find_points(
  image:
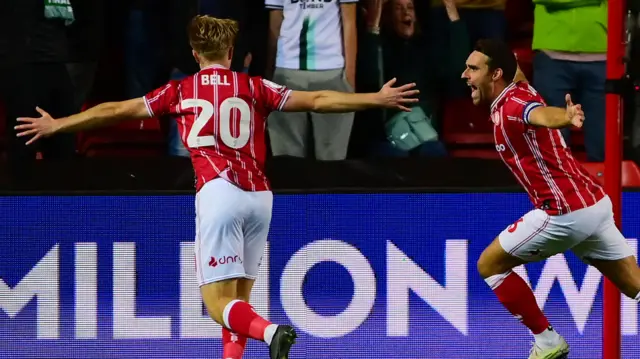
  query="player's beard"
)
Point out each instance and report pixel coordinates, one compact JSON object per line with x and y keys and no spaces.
{"x":481,"y":95}
{"x":476,"y":95}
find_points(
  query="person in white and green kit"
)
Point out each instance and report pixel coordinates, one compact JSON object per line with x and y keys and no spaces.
{"x":312,"y":46}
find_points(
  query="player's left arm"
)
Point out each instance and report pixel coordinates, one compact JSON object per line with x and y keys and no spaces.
{"x":349,"y":39}
{"x":537,"y":114}
{"x":99,"y":116}
{"x":337,"y":102}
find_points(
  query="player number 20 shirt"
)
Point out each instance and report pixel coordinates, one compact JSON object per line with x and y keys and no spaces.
{"x":221,"y":118}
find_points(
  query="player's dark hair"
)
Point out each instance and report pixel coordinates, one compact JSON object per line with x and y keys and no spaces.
{"x":500,"y":57}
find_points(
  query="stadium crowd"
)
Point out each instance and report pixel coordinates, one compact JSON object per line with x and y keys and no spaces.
{"x":65,"y":55}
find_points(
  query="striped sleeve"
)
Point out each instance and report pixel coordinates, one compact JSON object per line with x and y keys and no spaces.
{"x":270,"y":95}
{"x":274,"y":4}
{"x":162,"y":100}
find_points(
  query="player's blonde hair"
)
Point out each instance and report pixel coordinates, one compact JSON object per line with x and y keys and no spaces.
{"x":211,"y":37}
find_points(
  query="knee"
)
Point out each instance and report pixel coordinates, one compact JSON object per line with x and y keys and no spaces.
{"x":630,"y":288}
{"x":485,"y":266}
{"x":632,"y":292}
{"x":216,"y":308}
{"x":489,"y":264}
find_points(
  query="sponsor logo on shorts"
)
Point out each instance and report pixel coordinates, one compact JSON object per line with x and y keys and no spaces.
{"x":213,"y":262}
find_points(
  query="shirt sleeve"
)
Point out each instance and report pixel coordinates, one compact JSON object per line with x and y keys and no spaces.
{"x":527,"y":110}
{"x":270,"y":95}
{"x":274,"y":4}
{"x":519,"y":107}
{"x":163,"y":100}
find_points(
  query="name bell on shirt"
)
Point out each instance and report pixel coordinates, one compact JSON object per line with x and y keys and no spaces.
{"x":214,"y":79}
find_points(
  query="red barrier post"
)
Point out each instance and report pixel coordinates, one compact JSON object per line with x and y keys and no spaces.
{"x":611,"y":329}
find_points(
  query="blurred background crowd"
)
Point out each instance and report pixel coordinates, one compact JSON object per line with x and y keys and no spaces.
{"x":66,"y":55}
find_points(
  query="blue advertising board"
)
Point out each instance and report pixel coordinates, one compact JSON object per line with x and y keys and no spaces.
{"x":359,"y":275}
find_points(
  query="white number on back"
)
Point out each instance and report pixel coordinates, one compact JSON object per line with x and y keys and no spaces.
{"x":226,"y":108}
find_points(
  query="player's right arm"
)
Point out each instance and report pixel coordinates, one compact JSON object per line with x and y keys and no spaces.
{"x":554,"y":117}
{"x":332,"y":101}
{"x":156,"y":103}
{"x":105,"y":114}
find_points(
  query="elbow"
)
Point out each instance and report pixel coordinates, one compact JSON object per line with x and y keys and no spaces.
{"x":272,"y":39}
{"x":317,"y":104}
{"x":114,"y":110}
{"x":350,"y":28}
{"x":317,"y":107}
{"x":118,"y":111}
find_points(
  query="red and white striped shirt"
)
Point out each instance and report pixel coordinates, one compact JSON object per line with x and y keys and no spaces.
{"x":538,"y":156}
{"x":221,"y":118}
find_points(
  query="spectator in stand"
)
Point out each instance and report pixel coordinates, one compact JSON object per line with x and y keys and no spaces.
{"x":485,"y":19}
{"x":519,"y":15}
{"x":570,"y":38}
{"x":312,"y":46}
{"x":86,"y":41}
{"x":142,"y":55}
{"x":394,"y":46}
{"x":33,"y":54}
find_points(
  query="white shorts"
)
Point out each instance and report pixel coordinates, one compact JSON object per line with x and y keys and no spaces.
{"x":232,"y":226}
{"x":590,"y":233}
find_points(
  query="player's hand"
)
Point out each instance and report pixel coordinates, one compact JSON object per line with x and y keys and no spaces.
{"x":44,"y":126}
{"x":397,"y":97}
{"x":575,"y":115}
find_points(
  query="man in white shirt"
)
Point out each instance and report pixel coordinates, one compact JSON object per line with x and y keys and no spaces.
{"x":312,"y":46}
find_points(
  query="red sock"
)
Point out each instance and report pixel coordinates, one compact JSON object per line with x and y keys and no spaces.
{"x":517,"y":297}
{"x":233,"y":344}
{"x":240,"y":317}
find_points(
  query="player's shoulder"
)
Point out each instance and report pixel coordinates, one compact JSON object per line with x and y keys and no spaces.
{"x":267,"y":86}
{"x":520,"y":94}
{"x":170,"y":88}
{"x":271,"y":85}
{"x":182,"y":82}
{"x":523,"y":91}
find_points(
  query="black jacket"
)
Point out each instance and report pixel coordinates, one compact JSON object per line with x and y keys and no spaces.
{"x":26,"y":36}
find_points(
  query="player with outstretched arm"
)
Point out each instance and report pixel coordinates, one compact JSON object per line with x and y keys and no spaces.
{"x":572,"y":212}
{"x":221,"y":117}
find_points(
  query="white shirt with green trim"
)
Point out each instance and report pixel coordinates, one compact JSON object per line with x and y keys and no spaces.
{"x":311,"y":34}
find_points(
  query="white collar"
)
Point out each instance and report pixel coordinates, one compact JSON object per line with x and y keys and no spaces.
{"x":214,"y":66}
{"x":501,"y":95}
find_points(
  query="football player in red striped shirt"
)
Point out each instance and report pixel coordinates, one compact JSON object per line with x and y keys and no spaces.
{"x":572,"y":212}
{"x":222,"y":118}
